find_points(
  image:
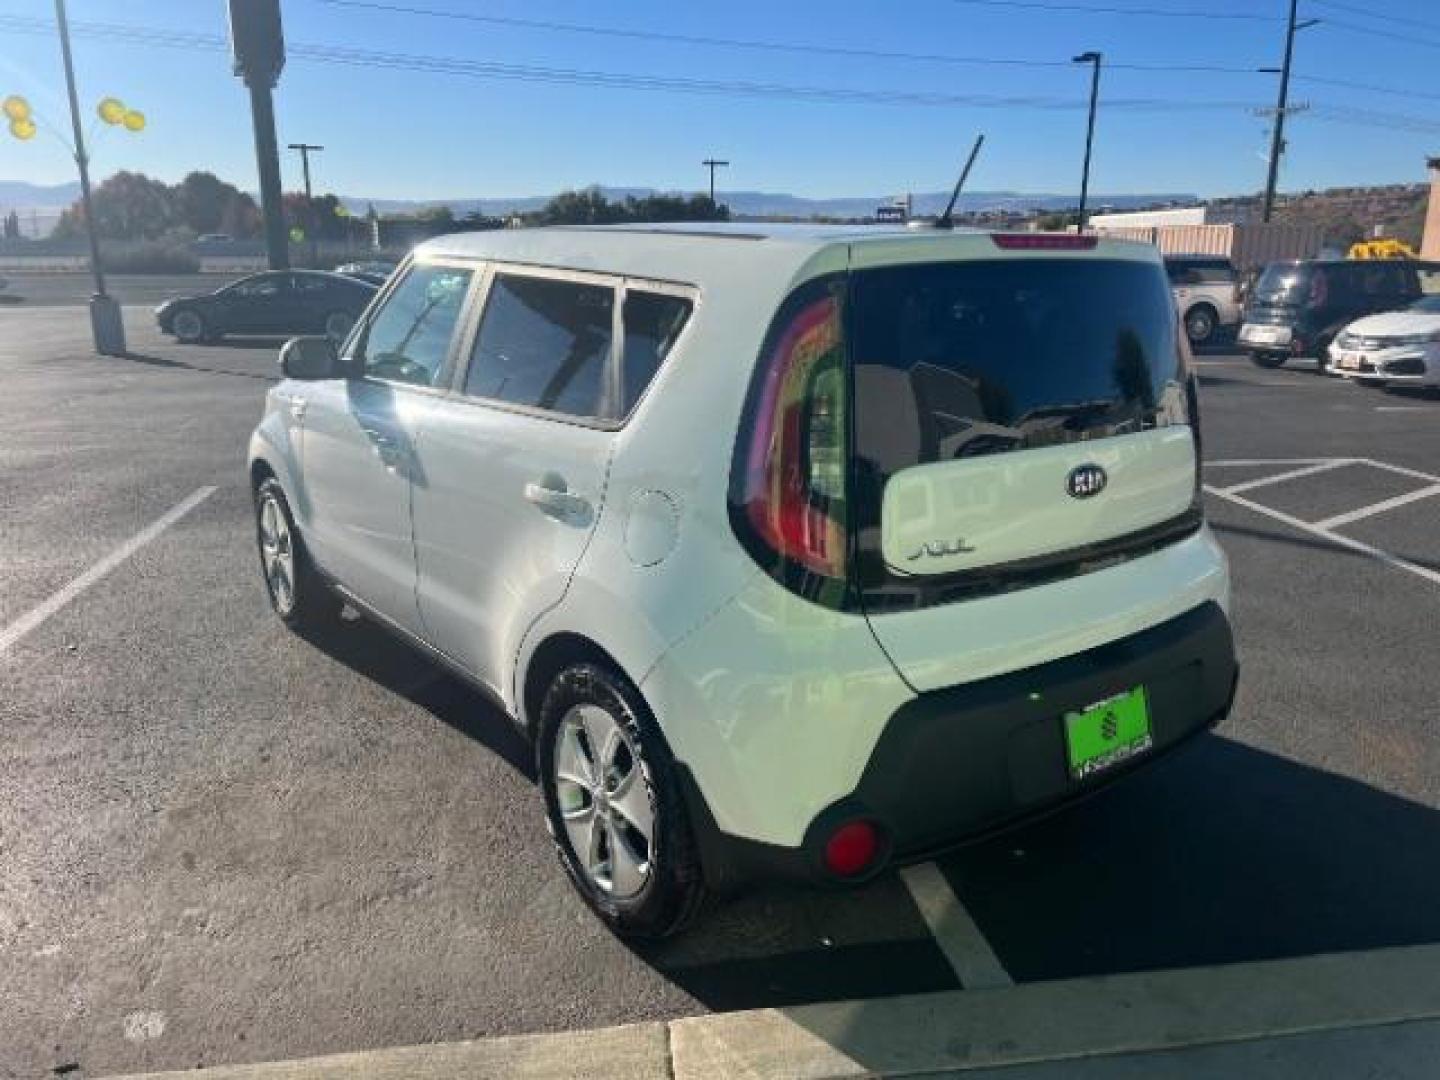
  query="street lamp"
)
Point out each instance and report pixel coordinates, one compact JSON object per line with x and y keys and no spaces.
{"x":1094,"y":58}
{"x":105,"y":322}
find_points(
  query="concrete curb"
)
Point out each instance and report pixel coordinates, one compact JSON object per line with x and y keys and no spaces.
{"x":937,"y":1033}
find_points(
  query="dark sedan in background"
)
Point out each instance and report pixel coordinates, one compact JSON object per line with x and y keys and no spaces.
{"x":278,"y":302}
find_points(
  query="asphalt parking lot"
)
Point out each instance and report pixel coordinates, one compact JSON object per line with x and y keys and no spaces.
{"x":222,"y":843}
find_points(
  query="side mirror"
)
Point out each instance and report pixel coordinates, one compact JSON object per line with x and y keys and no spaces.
{"x":310,"y":358}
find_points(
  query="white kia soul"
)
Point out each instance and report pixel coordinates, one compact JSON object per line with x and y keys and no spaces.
{"x":796,"y":551}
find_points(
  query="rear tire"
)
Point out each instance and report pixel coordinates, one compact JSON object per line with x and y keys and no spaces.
{"x":297,"y":592}
{"x":614,"y":805}
{"x":1267,"y":360}
{"x":1322,"y":357}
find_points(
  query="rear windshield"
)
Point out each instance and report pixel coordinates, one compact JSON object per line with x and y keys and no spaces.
{"x":958,"y":359}
{"x":1283,"y":283}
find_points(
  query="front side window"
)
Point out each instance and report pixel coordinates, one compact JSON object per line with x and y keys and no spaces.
{"x":545,"y":344}
{"x":408,"y":339}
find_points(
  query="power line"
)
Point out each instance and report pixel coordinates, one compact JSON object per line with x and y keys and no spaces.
{"x":1370,"y":13}
{"x":802,"y":47}
{"x":620,"y":80}
{"x":163,"y":38}
{"x":1347,"y":84}
{"x":1388,"y":35}
{"x":1107,"y":9}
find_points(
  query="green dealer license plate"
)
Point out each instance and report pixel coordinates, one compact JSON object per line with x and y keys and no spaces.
{"x":1107,"y":733}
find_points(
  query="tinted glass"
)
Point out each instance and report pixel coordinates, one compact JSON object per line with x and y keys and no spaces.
{"x":960,"y":359}
{"x":1200,"y":272}
{"x":653,"y":322}
{"x":1428,"y":303}
{"x":545,"y":344}
{"x":1283,"y":283}
{"x":261,"y":285}
{"x":311,"y":284}
{"x":408,"y":339}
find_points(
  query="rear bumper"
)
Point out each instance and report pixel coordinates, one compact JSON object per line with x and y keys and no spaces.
{"x":957,"y":764}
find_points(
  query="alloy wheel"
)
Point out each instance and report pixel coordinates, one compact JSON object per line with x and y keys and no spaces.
{"x":605,"y":800}
{"x":277,"y":555}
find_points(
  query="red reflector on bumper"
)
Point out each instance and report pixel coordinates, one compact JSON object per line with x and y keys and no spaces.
{"x":852,"y":848}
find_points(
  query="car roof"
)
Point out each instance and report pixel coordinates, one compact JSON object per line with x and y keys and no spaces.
{"x":701,"y":252}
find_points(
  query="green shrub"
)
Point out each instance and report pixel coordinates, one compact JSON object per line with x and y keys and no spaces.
{"x":149,"y":257}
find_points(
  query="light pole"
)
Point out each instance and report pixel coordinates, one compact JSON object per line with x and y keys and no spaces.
{"x":1277,"y":140}
{"x":306,"y":149}
{"x":1094,"y":58}
{"x":712,"y":164}
{"x":105,"y":324}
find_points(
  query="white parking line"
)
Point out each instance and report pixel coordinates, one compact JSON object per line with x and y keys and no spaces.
{"x":1378,"y":508}
{"x":1246,"y":463}
{"x":970,"y":955}
{"x":57,"y":600}
{"x":1325,"y":534}
{"x":1293,"y":474}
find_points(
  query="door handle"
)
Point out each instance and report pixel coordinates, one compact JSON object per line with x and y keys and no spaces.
{"x":389,"y":449}
{"x":551,"y":495}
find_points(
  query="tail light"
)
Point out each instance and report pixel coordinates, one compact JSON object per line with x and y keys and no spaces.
{"x":787,"y":492}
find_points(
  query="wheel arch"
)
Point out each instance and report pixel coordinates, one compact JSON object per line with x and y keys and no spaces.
{"x":551,"y":656}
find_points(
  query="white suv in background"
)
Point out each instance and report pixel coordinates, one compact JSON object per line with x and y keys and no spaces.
{"x":796,"y":551}
{"x":1206,"y":290}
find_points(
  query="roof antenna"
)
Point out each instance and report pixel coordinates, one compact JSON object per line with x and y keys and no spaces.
{"x":944,"y":220}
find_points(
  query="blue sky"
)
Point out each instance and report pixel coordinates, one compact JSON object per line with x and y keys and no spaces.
{"x":414,"y":134}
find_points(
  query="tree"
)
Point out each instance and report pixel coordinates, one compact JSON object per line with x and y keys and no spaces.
{"x":591,"y":207}
{"x":128,"y":206}
{"x":12,"y":226}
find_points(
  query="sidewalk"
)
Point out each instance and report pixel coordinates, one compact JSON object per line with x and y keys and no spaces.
{"x":1376,"y":1013}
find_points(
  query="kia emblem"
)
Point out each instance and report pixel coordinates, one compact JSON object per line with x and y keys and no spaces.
{"x":1085,"y":481}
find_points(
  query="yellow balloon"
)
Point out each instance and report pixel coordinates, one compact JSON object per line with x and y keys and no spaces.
{"x":134,"y":120}
{"x":111,"y":110}
{"x":16,"y":108}
{"x":22,"y":129}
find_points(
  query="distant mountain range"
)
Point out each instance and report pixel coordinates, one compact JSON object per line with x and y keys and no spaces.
{"x":23,"y":196}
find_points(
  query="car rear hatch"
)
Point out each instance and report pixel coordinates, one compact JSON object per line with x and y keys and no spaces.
{"x":1021,"y":416}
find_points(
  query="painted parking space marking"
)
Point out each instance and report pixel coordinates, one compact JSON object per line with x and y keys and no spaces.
{"x":1292,"y":474}
{"x":42,"y":611}
{"x":1378,"y":508}
{"x":1325,"y":529}
{"x":964,"y":946}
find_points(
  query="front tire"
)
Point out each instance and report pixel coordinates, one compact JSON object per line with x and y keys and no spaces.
{"x":190,"y":327}
{"x":1200,"y":323}
{"x":1267,"y":360}
{"x":614,"y":805}
{"x":298,"y":595}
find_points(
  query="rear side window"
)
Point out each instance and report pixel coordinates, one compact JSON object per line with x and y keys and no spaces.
{"x":408,"y":338}
{"x":545,"y":344}
{"x":959,"y":359}
{"x":653,"y":322}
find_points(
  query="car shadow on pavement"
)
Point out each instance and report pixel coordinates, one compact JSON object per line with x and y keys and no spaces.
{"x":1223,"y":854}
{"x":378,"y":655}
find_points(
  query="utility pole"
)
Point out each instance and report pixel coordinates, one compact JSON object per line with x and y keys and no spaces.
{"x":1096,"y":59}
{"x":1277,"y":140}
{"x":105,"y":323}
{"x":258,"y":46}
{"x":712,"y":164}
{"x":306,"y":149}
